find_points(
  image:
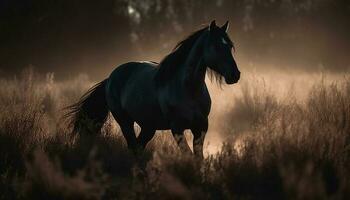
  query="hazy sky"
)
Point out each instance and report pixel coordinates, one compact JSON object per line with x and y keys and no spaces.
{"x":83,"y":36}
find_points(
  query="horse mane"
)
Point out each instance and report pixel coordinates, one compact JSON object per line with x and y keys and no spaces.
{"x":215,"y":76}
{"x":169,"y":64}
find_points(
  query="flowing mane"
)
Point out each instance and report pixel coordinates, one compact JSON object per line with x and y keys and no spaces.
{"x":177,"y":57}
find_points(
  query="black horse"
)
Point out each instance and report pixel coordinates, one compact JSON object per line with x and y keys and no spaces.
{"x":169,"y":95}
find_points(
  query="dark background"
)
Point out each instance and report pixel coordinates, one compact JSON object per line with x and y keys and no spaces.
{"x":84,"y":36}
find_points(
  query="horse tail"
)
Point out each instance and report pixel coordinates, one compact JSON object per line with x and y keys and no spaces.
{"x":88,"y":115}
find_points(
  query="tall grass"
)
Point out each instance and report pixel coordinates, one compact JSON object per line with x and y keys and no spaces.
{"x":281,"y":147}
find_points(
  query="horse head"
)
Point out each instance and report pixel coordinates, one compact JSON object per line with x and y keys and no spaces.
{"x":218,"y":53}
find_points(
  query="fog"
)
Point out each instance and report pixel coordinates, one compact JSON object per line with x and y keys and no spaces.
{"x":229,"y":117}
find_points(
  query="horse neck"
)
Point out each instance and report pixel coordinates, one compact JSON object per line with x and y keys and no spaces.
{"x":194,"y":67}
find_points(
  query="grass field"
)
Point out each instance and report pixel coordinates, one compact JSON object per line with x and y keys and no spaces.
{"x":286,"y":137}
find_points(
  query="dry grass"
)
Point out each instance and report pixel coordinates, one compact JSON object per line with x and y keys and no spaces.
{"x":284,"y":148}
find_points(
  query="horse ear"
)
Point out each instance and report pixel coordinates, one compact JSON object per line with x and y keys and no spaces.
{"x":212,"y":25}
{"x":225,"y":26}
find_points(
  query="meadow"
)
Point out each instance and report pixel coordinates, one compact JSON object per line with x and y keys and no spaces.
{"x":286,"y":136}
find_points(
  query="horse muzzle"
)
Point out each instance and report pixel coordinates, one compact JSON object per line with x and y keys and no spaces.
{"x":233,"y":79}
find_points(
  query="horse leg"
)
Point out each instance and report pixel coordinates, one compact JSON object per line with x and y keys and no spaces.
{"x":145,"y":136}
{"x":199,"y":133}
{"x":127,"y":127}
{"x":181,"y":140}
{"x":129,"y":135}
{"x":198,"y":141}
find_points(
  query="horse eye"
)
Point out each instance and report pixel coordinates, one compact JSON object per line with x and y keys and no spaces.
{"x":223,"y":41}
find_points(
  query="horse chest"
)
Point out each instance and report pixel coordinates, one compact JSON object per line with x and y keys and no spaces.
{"x":193,"y":110}
{"x":184,"y":108}
{"x":192,"y":113}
